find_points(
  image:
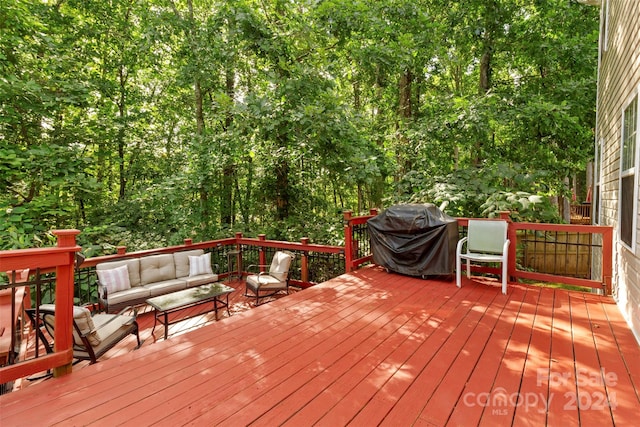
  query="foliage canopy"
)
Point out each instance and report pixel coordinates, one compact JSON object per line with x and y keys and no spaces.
{"x":144,"y":123}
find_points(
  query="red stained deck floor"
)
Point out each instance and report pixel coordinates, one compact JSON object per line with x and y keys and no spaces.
{"x":364,"y":349}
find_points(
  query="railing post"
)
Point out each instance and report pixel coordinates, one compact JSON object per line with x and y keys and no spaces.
{"x":348,"y":241}
{"x":262,"y":256}
{"x":188,"y":242}
{"x":607,"y":259}
{"x":64,"y":299}
{"x":304,"y":264}
{"x":239,"y":253}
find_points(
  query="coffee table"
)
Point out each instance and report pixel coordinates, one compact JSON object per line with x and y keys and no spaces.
{"x":179,"y":300}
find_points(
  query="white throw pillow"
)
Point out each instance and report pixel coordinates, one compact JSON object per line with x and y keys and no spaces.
{"x":115,"y":279}
{"x":200,"y":265}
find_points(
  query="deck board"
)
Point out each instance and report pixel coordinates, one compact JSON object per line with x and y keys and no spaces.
{"x":505,"y":391}
{"x":476,"y":395}
{"x":438,"y":409}
{"x":533,"y":412}
{"x":332,"y":386}
{"x":434,"y":358}
{"x":618,"y":363}
{"x":366,"y":348}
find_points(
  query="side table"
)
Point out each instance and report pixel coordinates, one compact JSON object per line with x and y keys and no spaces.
{"x":233,"y":258}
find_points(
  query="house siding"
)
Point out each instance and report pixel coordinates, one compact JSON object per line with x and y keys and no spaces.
{"x":618,"y":81}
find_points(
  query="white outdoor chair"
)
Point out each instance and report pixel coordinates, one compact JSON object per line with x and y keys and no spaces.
{"x":268,"y":283}
{"x":486,"y":241}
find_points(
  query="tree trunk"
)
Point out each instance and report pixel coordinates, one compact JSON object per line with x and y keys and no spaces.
{"x":485,"y":69}
{"x":229,"y":170}
{"x":122,"y":111}
{"x":403,"y":156}
{"x":282,"y":189}
{"x":197,"y":92}
{"x":246,"y":202}
{"x":406,"y":80}
{"x":356,"y":95}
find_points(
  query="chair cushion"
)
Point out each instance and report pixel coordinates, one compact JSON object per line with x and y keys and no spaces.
{"x":265,"y":281}
{"x":200,"y":265}
{"x":115,"y":279}
{"x":109,"y":333}
{"x":107,"y":324}
{"x":82,"y":317}
{"x":280,"y":265}
{"x":127,"y":297}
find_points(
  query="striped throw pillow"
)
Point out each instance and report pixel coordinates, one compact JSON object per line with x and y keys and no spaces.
{"x":200,"y":265}
{"x":115,"y":279}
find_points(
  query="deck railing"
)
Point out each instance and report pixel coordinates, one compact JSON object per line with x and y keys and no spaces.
{"x":61,"y":260}
{"x":313,"y":264}
{"x":53,"y":273}
{"x":356,"y":240}
{"x":569,"y":254}
{"x":581,"y":214}
{"x":532,"y":244}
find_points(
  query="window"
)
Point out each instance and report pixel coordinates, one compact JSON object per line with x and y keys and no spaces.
{"x":628,"y":174}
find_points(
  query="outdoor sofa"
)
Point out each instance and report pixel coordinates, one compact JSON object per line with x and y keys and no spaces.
{"x":132,"y":281}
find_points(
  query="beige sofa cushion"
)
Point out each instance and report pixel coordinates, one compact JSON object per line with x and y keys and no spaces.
{"x":133,"y":267}
{"x":139,"y":293}
{"x":157,"y":268}
{"x":166,"y":286}
{"x":202,"y":279}
{"x":181,"y":260}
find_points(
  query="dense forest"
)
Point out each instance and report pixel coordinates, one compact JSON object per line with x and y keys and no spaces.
{"x":146,"y":122}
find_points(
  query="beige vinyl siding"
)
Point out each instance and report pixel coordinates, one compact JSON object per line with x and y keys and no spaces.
{"x":618,"y":82}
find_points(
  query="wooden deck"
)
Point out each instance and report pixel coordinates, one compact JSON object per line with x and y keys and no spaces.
{"x":367,"y":348}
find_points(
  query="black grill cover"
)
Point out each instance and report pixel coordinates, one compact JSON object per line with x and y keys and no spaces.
{"x":414,"y":239}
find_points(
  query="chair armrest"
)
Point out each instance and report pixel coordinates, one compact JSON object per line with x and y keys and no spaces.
{"x":461,"y":242}
{"x":93,"y":307}
{"x":505,"y":247}
{"x":256,"y":266}
{"x":127,"y":308}
{"x":102,"y":290}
